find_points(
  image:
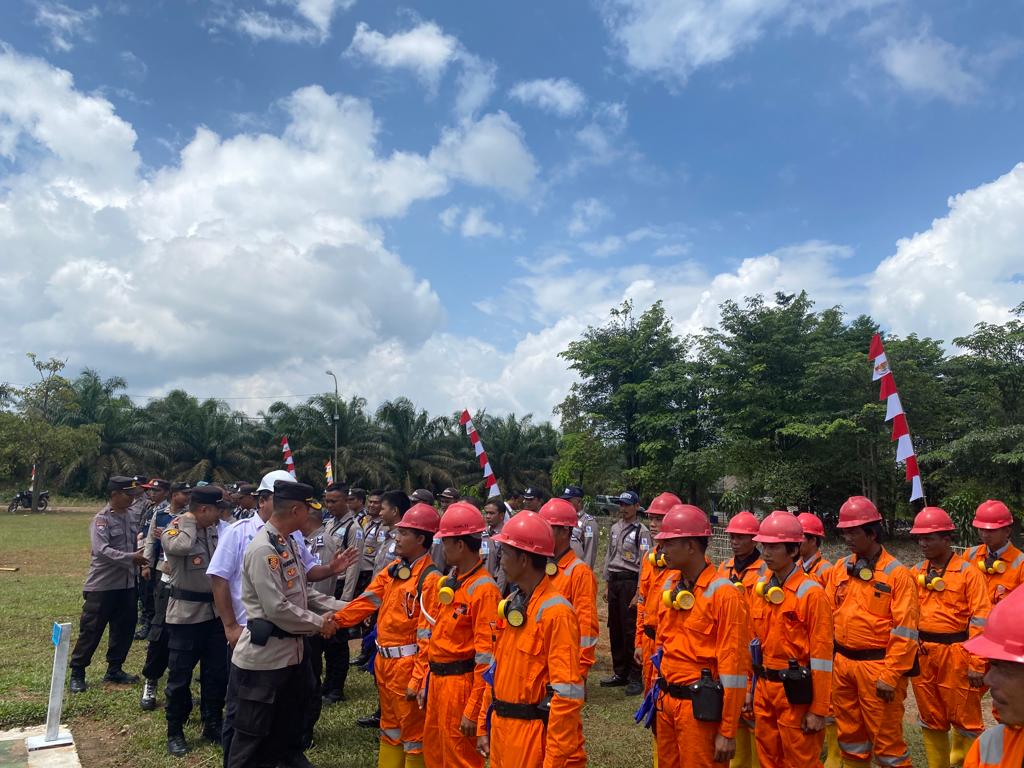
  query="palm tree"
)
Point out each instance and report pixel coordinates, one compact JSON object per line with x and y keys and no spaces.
{"x":521,"y":453}
{"x":415,"y":448}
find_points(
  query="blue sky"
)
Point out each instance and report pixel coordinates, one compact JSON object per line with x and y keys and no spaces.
{"x":433,"y":199}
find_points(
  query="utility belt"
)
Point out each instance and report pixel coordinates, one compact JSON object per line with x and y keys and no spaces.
{"x":649,"y":631}
{"x":450,"y":668}
{"x":796,"y":682}
{"x":943,"y":638}
{"x":191,"y":596}
{"x":514,"y":711}
{"x":397,"y":651}
{"x":860,"y":654}
{"x":261,"y":630}
{"x":706,"y":695}
{"x":623,"y":576}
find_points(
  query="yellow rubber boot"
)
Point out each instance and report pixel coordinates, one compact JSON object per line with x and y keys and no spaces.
{"x":745,"y":756}
{"x":414,"y":761}
{"x":960,"y":745}
{"x":833,"y":756}
{"x":390,"y":756}
{"x":936,"y":747}
{"x":854,"y":762}
{"x":655,"y":753}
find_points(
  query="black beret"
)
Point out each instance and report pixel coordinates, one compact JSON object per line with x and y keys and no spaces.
{"x":286,"y":490}
{"x":122,"y":483}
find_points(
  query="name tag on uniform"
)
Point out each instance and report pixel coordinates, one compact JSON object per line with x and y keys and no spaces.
{"x":381,"y":536}
{"x":588,"y":532}
{"x":485,"y":547}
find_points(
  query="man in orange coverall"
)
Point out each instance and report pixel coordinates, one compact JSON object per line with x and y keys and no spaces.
{"x":954,"y":606}
{"x":702,"y":638}
{"x":396,"y":594}
{"x":460,"y":643}
{"x":996,"y":557}
{"x":535,"y":701}
{"x":874,"y":598}
{"x":792,"y":619}
{"x":1002,"y":643}
{"x":573,"y":578}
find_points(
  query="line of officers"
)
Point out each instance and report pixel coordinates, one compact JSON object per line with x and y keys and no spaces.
{"x":762,"y":650}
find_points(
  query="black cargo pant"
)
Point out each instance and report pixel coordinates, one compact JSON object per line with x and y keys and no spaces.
{"x":113,"y":607}
{"x":156,"y":648}
{"x":337,"y":658}
{"x":270,"y":713}
{"x":191,"y":644}
{"x":147,"y":596}
{"x":622,"y":623}
{"x":314,"y":650}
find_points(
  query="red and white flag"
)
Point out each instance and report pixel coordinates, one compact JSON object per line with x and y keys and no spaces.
{"x":490,"y":481}
{"x":894,"y":413}
{"x":289,"y":462}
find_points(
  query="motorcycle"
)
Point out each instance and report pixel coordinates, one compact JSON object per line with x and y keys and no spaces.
{"x":24,"y":499}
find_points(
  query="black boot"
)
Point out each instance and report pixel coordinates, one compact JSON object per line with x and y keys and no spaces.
{"x":213,"y":730}
{"x":370,"y":721}
{"x":119,"y":676}
{"x":333,"y":697}
{"x":176,"y":744}
{"x":78,"y":684}
{"x":142,"y":633}
{"x":148,"y":700}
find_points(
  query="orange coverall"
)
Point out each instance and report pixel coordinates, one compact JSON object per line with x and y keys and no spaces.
{"x":799,"y":628}
{"x":402,"y":637}
{"x":648,"y":597}
{"x":1000,"y":584}
{"x":998,"y":747}
{"x":711,"y":635}
{"x":529,"y":660}
{"x":578,"y":585}
{"x":876,"y":617}
{"x":943,"y":694}
{"x":818,"y":568}
{"x":461,"y":633}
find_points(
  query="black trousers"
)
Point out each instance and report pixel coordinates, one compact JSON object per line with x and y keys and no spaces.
{"x":314,"y":650}
{"x":113,"y":607}
{"x":622,"y":625}
{"x":337,"y":658}
{"x":192,"y":644}
{"x":230,"y":707}
{"x":270,"y":714}
{"x":147,"y":596}
{"x":156,"y":649}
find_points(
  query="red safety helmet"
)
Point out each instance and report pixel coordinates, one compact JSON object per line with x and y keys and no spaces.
{"x":780,"y":527}
{"x":421,"y":517}
{"x":932,"y":520}
{"x":743,"y":522}
{"x":857,"y":510}
{"x":662,"y":503}
{"x":460,"y":519}
{"x":684,"y":521}
{"x":992,"y":514}
{"x":1002,"y":639}
{"x":529,"y":532}
{"x":559,"y":513}
{"x":811,"y":524}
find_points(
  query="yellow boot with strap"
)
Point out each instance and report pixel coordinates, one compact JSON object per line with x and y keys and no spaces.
{"x":390,"y":756}
{"x":833,"y":755}
{"x":936,"y":747}
{"x":960,"y":745}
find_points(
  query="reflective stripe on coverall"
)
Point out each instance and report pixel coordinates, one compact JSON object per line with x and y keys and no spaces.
{"x":878,"y":614}
{"x":799,"y":628}
{"x":528,"y":660}
{"x":944,"y":697}
{"x":998,"y":747}
{"x":711,"y":635}
{"x":818,"y":568}
{"x":400,"y":622}
{"x":1000,"y":584}
{"x":462,"y":630}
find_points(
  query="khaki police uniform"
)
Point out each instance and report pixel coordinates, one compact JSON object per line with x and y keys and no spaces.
{"x":157,"y":652}
{"x":628,"y":544}
{"x":585,"y":537}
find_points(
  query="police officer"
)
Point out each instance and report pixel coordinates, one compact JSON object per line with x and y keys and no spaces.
{"x":345,"y":529}
{"x":246,"y":504}
{"x":373,"y":536}
{"x":157,"y":501}
{"x":357,"y":505}
{"x":586,"y":533}
{"x":109,"y":589}
{"x":448,"y":497}
{"x":532,"y":499}
{"x":272,"y":676}
{"x":628,"y":543}
{"x":490,"y":550}
{"x":195,"y":633}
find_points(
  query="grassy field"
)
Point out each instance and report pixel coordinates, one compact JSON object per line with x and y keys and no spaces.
{"x":52,"y":553}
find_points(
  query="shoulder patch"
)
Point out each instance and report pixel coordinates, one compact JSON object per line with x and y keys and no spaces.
{"x":291,"y":572}
{"x":172,"y":531}
{"x":197,"y":560}
{"x":274,"y":562}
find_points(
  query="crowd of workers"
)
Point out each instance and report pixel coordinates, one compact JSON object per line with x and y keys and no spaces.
{"x":480,"y":624}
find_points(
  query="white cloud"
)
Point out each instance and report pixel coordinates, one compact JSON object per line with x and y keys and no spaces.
{"x":488,"y":152}
{"x":605,"y":247}
{"x":425,"y":50}
{"x":449,"y":217}
{"x":64,"y":23}
{"x":587,"y":214}
{"x":930,"y":67}
{"x":561,"y":96}
{"x":476,"y":224}
{"x":669,"y":251}
{"x":310,"y":21}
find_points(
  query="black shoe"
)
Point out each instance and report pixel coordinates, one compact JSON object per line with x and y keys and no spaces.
{"x":119,"y":677}
{"x":614,"y":682}
{"x":213,"y":731}
{"x":362,"y":660}
{"x":148,"y":700}
{"x":177,"y":746}
{"x":78,"y":684}
{"x":142,"y":632}
{"x":370,"y":721}
{"x":333,"y":697}
{"x":634,"y":688}
{"x":296,"y":761}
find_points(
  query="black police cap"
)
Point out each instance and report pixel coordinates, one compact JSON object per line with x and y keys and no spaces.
{"x":208,"y":494}
{"x":122,"y":483}
{"x":286,"y":490}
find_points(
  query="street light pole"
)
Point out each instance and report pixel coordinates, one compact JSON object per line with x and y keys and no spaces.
{"x":336,"y":471}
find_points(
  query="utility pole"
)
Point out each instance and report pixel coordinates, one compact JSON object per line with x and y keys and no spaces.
{"x":337,"y":472}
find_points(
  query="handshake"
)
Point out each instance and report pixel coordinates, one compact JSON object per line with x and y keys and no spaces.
{"x":328,"y":628}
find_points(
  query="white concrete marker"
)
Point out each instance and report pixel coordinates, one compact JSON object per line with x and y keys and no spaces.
{"x":54,"y":736}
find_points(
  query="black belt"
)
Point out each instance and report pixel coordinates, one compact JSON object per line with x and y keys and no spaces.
{"x":519,"y":711}
{"x":649,"y":631}
{"x":449,"y":668}
{"x":861,"y":654}
{"x":192,"y":597}
{"x":623,"y":576}
{"x":675,"y":690}
{"x":944,"y":638}
{"x":769,"y":674}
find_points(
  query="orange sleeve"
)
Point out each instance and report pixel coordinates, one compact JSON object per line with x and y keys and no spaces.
{"x":819,"y":621}
{"x":830,"y":581}
{"x":733,"y":629}
{"x":976,"y":592}
{"x":646,"y":569}
{"x":484,"y":605}
{"x":365,"y":604}
{"x":902,"y":648}
{"x":423,"y":629}
{"x":585,"y":603}
{"x":564,"y":744}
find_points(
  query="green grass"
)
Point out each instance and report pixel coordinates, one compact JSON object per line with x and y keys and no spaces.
{"x":52,"y":553}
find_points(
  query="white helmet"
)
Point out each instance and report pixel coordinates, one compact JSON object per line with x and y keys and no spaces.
{"x":267,"y":483}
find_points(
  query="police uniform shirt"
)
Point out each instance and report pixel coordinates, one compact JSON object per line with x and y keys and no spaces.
{"x":113,"y":537}
{"x":274,"y":588}
{"x":322,"y":546}
{"x":227,"y":559}
{"x":189,"y":550}
{"x":385,"y":549}
{"x":349,"y":533}
{"x":152,"y":550}
{"x":628,"y":543}
{"x":138,"y":511}
{"x":584,"y":540}
{"x":371,"y":542}
{"x":151,"y":513}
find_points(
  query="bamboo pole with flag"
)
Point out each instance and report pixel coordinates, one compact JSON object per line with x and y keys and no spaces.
{"x":286,"y":451}
{"x":882,"y":372}
{"x":490,"y":481}
{"x":329,"y":472}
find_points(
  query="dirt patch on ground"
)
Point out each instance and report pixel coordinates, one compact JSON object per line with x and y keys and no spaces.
{"x":100,"y":744}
